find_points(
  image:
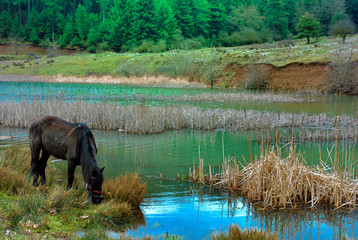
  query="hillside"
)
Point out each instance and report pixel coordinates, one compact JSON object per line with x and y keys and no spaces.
{"x":285,"y":65}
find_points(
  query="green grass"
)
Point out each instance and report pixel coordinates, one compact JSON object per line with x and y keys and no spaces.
{"x":198,"y":60}
{"x":32,"y":213}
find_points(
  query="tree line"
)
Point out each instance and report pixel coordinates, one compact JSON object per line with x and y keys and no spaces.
{"x":159,"y":25}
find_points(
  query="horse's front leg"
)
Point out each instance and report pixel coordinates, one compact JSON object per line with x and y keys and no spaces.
{"x":71,"y":173}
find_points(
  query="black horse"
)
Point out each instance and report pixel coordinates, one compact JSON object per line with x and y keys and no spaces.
{"x":64,"y":140}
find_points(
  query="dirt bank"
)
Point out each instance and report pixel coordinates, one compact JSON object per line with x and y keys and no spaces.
{"x":294,"y":76}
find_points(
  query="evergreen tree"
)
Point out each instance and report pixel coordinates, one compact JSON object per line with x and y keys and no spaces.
{"x":183,"y":12}
{"x":146,"y":21}
{"x":5,"y":24}
{"x":81,"y":21}
{"x":167,"y":24}
{"x":217,"y":16}
{"x":352,"y":10}
{"x":308,"y":26}
{"x":276,"y":19}
{"x":34,"y":38}
{"x":68,"y":33}
{"x":201,"y":17}
{"x":290,"y":10}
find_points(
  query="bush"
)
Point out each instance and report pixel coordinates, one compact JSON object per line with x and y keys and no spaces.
{"x":256,"y":78}
{"x":343,"y":73}
{"x":145,"y":47}
{"x":92,"y":49}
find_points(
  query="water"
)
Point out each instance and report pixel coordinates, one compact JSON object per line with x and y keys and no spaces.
{"x":312,"y":103}
{"x":171,"y":207}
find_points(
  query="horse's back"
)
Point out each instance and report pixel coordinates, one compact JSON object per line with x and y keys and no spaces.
{"x":52,"y":134}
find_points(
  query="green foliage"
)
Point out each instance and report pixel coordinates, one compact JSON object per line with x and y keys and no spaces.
{"x":308,"y":27}
{"x":34,"y":38}
{"x":68,"y":33}
{"x":122,"y":25}
{"x":5,"y":24}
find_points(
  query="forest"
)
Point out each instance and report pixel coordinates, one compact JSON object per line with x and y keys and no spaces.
{"x":159,"y":25}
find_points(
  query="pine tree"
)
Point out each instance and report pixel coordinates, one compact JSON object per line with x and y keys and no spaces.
{"x":34,"y":38}
{"x":276,"y":19}
{"x":167,"y":24}
{"x":145,"y":27}
{"x":68,"y":33}
{"x":201,"y":17}
{"x":183,"y":12}
{"x":5,"y":24}
{"x":352,"y":10}
{"x":81,"y":21}
{"x":217,"y":15}
{"x":308,"y":26}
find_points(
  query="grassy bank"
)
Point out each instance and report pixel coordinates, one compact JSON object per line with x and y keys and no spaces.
{"x":209,"y":66}
{"x":53,"y":212}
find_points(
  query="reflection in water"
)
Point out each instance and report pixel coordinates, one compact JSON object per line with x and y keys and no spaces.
{"x":169,"y":205}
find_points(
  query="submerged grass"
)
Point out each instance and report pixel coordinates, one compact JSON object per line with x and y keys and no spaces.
{"x":28,"y":212}
{"x":273,"y":181}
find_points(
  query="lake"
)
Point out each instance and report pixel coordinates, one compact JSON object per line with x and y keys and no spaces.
{"x":170,"y":206}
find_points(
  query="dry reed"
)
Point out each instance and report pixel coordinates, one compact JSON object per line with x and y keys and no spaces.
{"x":235,"y":232}
{"x":127,"y":188}
{"x":273,"y":181}
{"x":142,"y":119}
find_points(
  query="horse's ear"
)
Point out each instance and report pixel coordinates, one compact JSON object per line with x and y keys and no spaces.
{"x":102,"y":169}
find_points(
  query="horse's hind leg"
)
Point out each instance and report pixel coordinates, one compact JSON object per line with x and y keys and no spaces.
{"x":35,"y":154}
{"x":42,"y":165}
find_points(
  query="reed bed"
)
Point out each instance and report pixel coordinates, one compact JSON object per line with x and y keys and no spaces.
{"x":143,"y":119}
{"x":276,"y":182}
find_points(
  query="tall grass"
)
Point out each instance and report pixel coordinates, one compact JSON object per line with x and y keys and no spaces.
{"x":275,"y":182}
{"x":235,"y":232}
{"x":36,"y":208}
{"x":142,"y":119}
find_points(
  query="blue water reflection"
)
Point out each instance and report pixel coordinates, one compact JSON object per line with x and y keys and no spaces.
{"x":171,"y":207}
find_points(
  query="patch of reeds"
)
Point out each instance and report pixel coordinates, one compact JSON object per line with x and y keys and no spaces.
{"x":128,"y":188}
{"x":143,"y":119}
{"x":275,"y":182}
{"x":235,"y":232}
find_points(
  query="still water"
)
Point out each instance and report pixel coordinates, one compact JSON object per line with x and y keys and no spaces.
{"x":311,"y":103}
{"x":171,"y":207}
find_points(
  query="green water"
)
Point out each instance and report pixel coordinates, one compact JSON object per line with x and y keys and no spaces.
{"x":169,"y":204}
{"x":312,"y":103}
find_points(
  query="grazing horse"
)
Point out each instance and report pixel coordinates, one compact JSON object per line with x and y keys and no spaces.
{"x":64,"y":140}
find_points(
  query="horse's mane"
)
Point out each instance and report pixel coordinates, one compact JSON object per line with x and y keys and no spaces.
{"x":87,"y":150}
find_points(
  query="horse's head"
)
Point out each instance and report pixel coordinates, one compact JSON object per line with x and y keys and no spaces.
{"x":94,"y":188}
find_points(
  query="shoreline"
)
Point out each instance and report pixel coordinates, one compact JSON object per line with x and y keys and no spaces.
{"x":155,"y":81}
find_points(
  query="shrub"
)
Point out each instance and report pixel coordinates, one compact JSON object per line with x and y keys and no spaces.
{"x":92,"y":49}
{"x":145,"y":47}
{"x":343,"y":73}
{"x":257,"y":77}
